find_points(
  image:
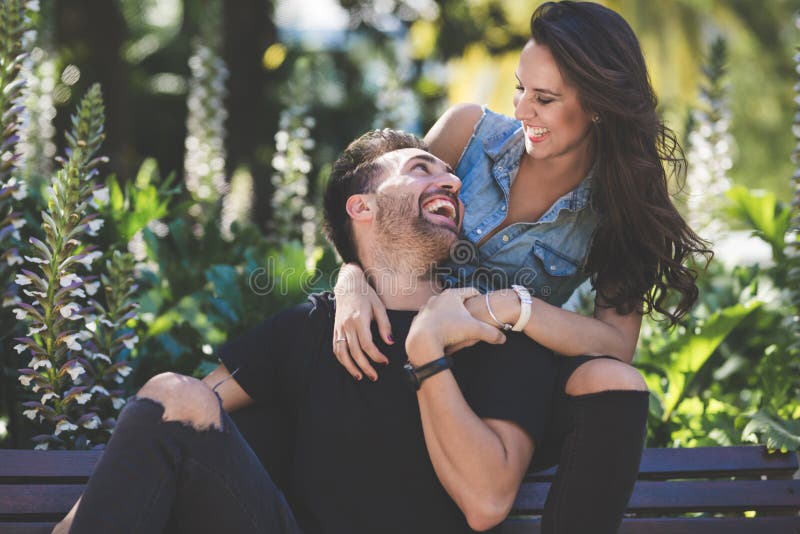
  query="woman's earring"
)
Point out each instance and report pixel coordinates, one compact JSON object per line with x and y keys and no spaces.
{"x":596,"y":118}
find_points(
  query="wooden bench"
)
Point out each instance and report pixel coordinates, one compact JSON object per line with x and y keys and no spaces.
{"x":719,"y":484}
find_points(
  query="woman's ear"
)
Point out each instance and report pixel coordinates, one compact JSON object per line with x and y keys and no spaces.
{"x":360,"y":207}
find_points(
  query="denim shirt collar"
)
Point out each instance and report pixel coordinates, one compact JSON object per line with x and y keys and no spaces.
{"x":507,"y":146}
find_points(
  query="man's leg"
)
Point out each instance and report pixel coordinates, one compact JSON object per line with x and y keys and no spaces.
{"x":176,"y":459}
{"x":604,"y":416}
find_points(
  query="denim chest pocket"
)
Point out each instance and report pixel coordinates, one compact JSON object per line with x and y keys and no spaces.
{"x":554,"y":263}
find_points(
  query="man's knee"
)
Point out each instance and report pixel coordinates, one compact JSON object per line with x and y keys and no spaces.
{"x":603,"y":374}
{"x":185,"y":399}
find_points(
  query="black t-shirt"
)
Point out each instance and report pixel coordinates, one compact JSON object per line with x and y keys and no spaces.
{"x":350,"y":456}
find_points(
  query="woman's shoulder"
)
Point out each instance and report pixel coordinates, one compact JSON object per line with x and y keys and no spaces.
{"x":450,"y":135}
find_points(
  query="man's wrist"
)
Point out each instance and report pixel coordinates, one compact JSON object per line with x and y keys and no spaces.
{"x":421,"y":351}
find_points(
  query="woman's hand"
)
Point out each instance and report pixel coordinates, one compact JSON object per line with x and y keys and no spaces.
{"x":357,"y":305}
{"x":443,"y":325}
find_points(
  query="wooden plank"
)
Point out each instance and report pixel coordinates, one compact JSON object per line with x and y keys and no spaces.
{"x":45,"y":502}
{"x":27,"y":528}
{"x":27,"y":465}
{"x":680,"y":525}
{"x":688,"y":496}
{"x":707,"y":462}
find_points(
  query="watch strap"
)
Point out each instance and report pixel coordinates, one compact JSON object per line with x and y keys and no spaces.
{"x":418,"y":374}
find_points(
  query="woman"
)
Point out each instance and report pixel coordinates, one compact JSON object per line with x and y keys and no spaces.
{"x":573,"y":187}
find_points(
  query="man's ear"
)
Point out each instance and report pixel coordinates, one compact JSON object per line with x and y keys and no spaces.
{"x":360,"y":207}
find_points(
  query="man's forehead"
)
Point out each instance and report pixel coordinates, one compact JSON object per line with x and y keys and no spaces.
{"x":400,"y":156}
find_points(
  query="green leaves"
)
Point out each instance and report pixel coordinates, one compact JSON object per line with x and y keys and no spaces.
{"x":760,"y":210}
{"x":687,"y":354}
{"x":780,"y":434}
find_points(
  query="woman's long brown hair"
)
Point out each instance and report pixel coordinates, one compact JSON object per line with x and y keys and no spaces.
{"x":641,"y":248}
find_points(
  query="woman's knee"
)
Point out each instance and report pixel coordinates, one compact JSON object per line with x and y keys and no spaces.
{"x":604,"y":374}
{"x":185,"y":399}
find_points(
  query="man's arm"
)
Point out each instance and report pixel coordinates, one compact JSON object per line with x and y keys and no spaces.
{"x":232,"y":395}
{"x":481,"y":463}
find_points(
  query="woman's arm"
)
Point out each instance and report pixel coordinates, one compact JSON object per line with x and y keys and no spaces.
{"x":565,"y":332}
{"x":449,"y":136}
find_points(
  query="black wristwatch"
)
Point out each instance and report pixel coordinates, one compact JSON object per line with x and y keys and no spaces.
{"x":416,"y":375}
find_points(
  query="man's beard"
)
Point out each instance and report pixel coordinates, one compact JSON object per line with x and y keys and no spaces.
{"x":406,"y":240}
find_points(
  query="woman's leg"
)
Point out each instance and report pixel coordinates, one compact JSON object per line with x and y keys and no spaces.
{"x":176,"y":461}
{"x":603,"y":410}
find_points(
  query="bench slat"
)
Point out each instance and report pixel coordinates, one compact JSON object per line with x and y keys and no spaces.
{"x":688,"y":496}
{"x":27,"y":528}
{"x":44,"y":502}
{"x":664,"y":525}
{"x":30,"y":464}
{"x":706,"y":462}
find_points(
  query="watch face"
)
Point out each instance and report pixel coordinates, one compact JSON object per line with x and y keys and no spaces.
{"x":411,"y":375}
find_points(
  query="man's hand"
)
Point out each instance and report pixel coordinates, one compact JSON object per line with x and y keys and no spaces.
{"x":443,"y":326}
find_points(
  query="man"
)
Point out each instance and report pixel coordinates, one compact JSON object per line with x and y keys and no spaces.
{"x":427,"y":448}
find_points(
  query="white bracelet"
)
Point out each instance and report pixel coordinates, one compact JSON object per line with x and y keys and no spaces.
{"x":525,"y":302}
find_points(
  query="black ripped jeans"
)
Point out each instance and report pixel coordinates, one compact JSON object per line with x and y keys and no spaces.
{"x":156,"y":476}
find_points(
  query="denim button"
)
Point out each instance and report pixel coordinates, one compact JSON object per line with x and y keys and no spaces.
{"x":478,"y":231}
{"x":505,"y":239}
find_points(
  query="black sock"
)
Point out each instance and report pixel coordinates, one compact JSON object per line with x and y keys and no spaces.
{"x":599,"y":463}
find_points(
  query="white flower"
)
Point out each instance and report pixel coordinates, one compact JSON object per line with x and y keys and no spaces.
{"x":94,"y":422}
{"x":64,"y":426}
{"x":100,"y":389}
{"x":10,"y":300}
{"x":34,"y":330}
{"x":77,"y":292}
{"x":108,"y":323}
{"x":25,"y":380}
{"x":47,"y":396}
{"x":76,"y":370}
{"x":87,"y":259}
{"x":41,"y":446}
{"x":18,"y":223}
{"x":125,"y":370}
{"x":20,"y":348}
{"x":101,"y":356}
{"x":34,"y":293}
{"x":44,"y":362}
{"x":69,"y":279}
{"x":83,"y":398}
{"x":31,"y":414}
{"x":100,"y":196}
{"x":70,"y":342}
{"x":118,"y":402}
{"x":14,"y":259}
{"x":92,"y":287}
{"x":34,"y":259}
{"x":22,"y":280}
{"x":92,"y":327}
{"x":20,"y":314}
{"x":94,"y":226}
{"x":68,"y":310}
{"x":130,"y":342}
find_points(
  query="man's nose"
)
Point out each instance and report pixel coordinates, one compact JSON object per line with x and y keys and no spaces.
{"x":449,"y":181}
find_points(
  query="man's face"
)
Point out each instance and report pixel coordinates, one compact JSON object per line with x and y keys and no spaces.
{"x":417,"y":203}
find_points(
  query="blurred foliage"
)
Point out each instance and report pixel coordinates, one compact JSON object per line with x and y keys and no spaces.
{"x":293,"y":98}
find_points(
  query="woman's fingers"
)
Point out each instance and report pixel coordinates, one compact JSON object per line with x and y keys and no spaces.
{"x":382,"y":319}
{"x":354,"y":346}
{"x":343,"y":356}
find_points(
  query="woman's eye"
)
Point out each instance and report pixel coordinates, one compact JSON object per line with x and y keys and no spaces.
{"x":544,"y":100}
{"x":519,"y":88}
{"x":422,"y":166}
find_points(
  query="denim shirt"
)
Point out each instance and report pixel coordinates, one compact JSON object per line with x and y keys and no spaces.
{"x":547,"y":256}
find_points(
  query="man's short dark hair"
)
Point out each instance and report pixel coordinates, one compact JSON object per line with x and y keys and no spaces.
{"x":353,"y":173}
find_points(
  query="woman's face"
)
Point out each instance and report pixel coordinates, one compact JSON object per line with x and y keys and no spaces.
{"x":555,"y":123}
